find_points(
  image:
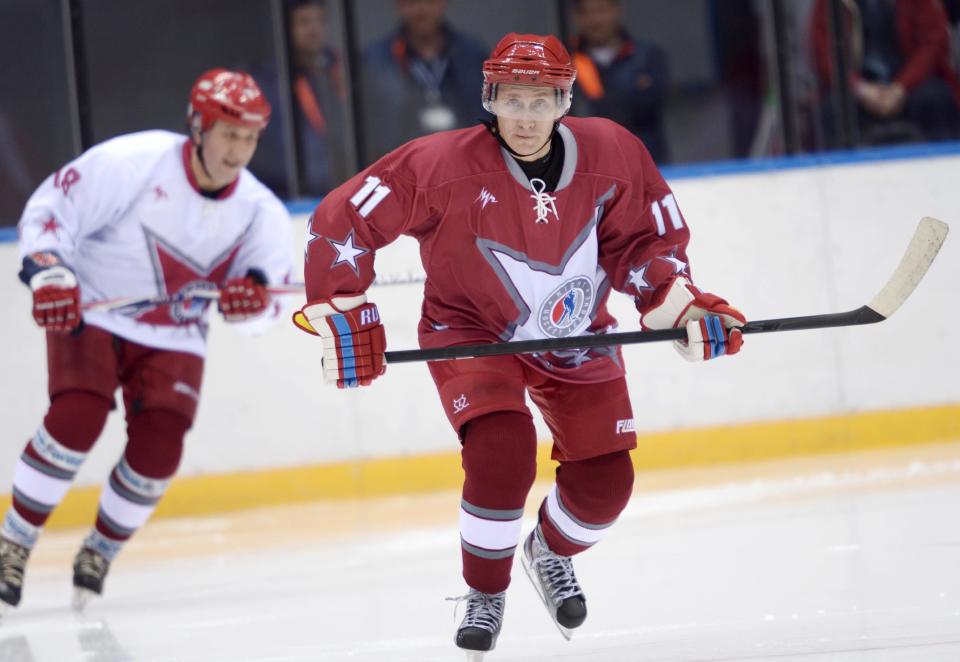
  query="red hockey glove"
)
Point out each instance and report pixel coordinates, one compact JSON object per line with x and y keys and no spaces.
{"x":712,"y":324}
{"x":353,"y":338}
{"x":56,"y":295}
{"x":243,"y":298}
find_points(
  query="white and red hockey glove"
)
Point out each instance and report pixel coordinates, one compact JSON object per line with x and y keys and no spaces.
{"x":56,"y":294}
{"x":353,"y":338}
{"x":243,"y":298}
{"x":712,"y":324}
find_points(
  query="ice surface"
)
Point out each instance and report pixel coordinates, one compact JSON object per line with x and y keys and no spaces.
{"x":814,"y":564}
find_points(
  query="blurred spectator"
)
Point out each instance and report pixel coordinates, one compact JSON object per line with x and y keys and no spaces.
{"x":899,"y":69}
{"x":317,"y":95}
{"x":619,"y":77}
{"x":422,"y":78}
{"x":742,"y":64}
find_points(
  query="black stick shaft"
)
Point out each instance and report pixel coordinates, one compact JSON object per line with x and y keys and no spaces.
{"x":862,"y":315}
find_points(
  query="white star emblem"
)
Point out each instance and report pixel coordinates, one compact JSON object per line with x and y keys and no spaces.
{"x":638,"y":278}
{"x":311,"y":237}
{"x":347,"y":252}
{"x":679,"y":266}
{"x":531,"y":283}
{"x":575,"y":357}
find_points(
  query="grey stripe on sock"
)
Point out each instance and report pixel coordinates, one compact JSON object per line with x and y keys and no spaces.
{"x":120,"y":531}
{"x":489,"y":513}
{"x":492,"y":554}
{"x":586,"y":525}
{"x":136,"y":482}
{"x":46,"y":469}
{"x":35,"y":506}
{"x":124,"y":492}
{"x":568,"y":538}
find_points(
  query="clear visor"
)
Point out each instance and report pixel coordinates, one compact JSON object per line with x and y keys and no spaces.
{"x":518,"y":102}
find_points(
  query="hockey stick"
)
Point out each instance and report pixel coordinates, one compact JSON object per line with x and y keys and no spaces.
{"x":918,"y":257}
{"x":105,"y":305}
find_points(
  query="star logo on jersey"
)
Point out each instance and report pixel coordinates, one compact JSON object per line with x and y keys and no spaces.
{"x":485,"y":198}
{"x":679,"y":266}
{"x":574,"y":358}
{"x":554,"y":300}
{"x":311,"y":237}
{"x":178,"y":274}
{"x":638,"y":278}
{"x":347,"y":252}
{"x":159,"y":194}
{"x":50,"y":225}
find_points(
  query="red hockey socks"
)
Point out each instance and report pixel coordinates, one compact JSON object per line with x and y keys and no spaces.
{"x":499,"y":459}
{"x":139,"y":480}
{"x":585,"y":501}
{"x":51,"y":460}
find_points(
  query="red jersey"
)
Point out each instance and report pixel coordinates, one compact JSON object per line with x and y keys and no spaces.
{"x":503,"y":260}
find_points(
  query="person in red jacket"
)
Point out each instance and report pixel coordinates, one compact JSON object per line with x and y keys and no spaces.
{"x":525,"y":225}
{"x":898,"y":60}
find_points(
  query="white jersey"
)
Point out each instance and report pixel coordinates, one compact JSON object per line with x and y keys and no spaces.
{"x":129,"y":219}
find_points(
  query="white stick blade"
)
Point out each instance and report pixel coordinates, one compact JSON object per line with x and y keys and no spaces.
{"x":923,"y":248}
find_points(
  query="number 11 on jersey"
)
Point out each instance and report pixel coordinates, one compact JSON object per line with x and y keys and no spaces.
{"x":673,"y":211}
{"x":369,"y":196}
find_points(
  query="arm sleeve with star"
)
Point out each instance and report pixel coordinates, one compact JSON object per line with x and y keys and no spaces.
{"x":643,"y":235}
{"x":366,"y":213}
{"x":76,"y":201}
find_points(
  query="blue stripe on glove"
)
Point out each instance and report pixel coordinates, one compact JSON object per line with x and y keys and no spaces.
{"x":716,"y":336}
{"x":347,"y":357}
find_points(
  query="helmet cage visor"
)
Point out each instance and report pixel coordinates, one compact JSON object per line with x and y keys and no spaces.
{"x":527,"y":105}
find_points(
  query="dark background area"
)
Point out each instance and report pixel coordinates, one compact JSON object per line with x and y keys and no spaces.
{"x":77,"y":72}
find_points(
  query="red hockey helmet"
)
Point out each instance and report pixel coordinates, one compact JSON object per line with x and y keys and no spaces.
{"x":231,"y":96}
{"x":529,"y":59}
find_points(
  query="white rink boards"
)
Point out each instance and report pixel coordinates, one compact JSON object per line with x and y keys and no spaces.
{"x":781,"y":243}
{"x":839,"y":558}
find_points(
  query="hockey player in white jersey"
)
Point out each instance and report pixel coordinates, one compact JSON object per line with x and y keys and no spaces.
{"x":150,"y":213}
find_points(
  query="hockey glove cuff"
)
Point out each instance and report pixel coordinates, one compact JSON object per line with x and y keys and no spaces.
{"x":56,"y":294}
{"x":353,"y":338}
{"x":712,"y":324}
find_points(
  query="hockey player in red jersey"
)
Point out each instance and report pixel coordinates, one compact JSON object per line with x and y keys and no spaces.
{"x":525,"y":224}
{"x":149,"y":213}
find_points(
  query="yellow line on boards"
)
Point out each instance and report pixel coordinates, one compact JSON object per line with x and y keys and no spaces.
{"x":204,"y":495}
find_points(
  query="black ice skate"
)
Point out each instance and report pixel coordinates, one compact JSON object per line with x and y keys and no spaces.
{"x":13,"y":563}
{"x":480,"y":627}
{"x":553,"y":578}
{"x":89,"y":572}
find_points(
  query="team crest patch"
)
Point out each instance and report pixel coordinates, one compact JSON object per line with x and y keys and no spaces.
{"x":564,"y":311}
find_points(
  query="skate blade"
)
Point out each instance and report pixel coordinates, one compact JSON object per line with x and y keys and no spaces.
{"x":81,"y":597}
{"x":476,"y":656}
{"x":551,"y":610}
